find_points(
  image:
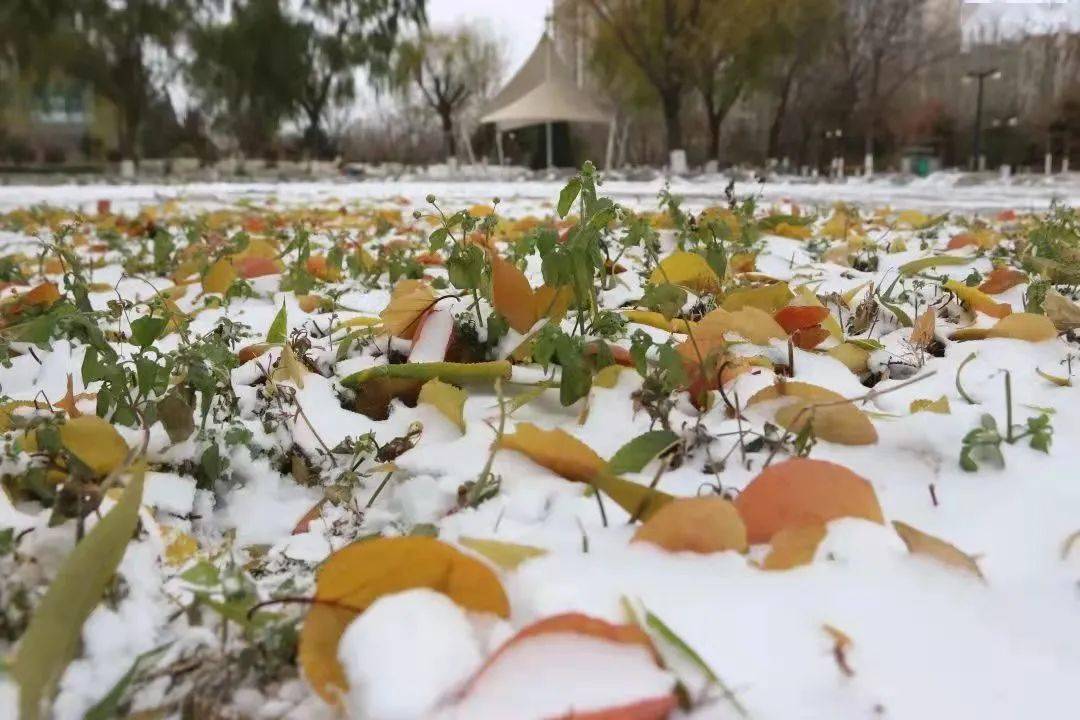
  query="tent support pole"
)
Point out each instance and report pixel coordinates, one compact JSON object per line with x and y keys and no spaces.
{"x":550,"y":149}
{"x":609,"y":155}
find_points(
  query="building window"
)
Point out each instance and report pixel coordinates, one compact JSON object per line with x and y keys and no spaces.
{"x":61,"y":102}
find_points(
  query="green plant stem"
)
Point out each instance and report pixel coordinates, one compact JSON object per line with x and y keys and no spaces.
{"x":445,"y":371}
{"x":1008,"y":409}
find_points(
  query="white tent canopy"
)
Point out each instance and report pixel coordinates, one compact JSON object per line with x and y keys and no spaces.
{"x":543,"y":91}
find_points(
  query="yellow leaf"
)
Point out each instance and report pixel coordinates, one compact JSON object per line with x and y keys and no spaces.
{"x":976,"y":299}
{"x":919,"y":543}
{"x":658,"y":321}
{"x":840,"y":225}
{"x":553,"y":302}
{"x":506,"y":555}
{"x":608,"y":377}
{"x":1018,"y":326}
{"x":794,"y":546}
{"x":755,"y":325}
{"x":939,"y":406}
{"x":793,"y":231}
{"x":447,"y":399}
{"x":912,"y":219}
{"x":687,"y":269}
{"x":1059,"y":381}
{"x":769,"y":298}
{"x":409,"y":300}
{"x":359,"y":574}
{"x":95,"y":442}
{"x":512,"y":295}
{"x":700,"y":524}
{"x":219,"y":276}
{"x":289,"y":367}
{"x":181,"y":548}
{"x":800,"y":492}
{"x":834,"y":418}
{"x":567,"y":456}
{"x":853,"y":356}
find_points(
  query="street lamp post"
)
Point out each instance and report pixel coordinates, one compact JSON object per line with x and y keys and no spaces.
{"x":980,"y":77}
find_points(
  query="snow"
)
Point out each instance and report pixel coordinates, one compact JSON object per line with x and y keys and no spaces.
{"x":926,"y":641}
{"x":407,"y":652}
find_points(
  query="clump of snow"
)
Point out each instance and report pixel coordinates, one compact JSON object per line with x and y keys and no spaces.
{"x":405,"y":654}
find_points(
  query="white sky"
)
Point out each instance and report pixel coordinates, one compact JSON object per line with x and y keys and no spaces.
{"x":517,"y":22}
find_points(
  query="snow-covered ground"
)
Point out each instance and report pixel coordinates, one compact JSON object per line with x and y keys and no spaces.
{"x":868,"y":629}
{"x":942,"y":191}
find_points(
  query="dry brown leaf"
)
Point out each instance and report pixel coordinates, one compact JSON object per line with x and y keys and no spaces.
{"x":69,"y":403}
{"x":1001,"y":279}
{"x":920,"y":543}
{"x":700,"y":524}
{"x":922,"y":334}
{"x":359,"y":574}
{"x":1063,"y":312}
{"x":409,"y":300}
{"x":794,"y":546}
{"x":512,"y":295}
{"x":834,"y":418}
{"x":841,"y":643}
{"x":800,"y":492}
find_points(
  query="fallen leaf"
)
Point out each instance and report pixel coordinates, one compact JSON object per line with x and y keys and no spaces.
{"x":506,"y":555}
{"x":95,"y":442}
{"x":795,"y":317}
{"x":567,"y":456}
{"x":1063,"y":312}
{"x":922,"y":333}
{"x":750,"y":322}
{"x":253,"y":267}
{"x":55,"y":630}
{"x":800,"y":492}
{"x":917,"y":266}
{"x":841,"y":643}
{"x":409,"y":300}
{"x":920,"y":543}
{"x":68,"y":403}
{"x":1059,"y":381}
{"x":809,"y":338}
{"x":939,"y":406}
{"x":834,"y":418}
{"x":977,"y":300}
{"x":447,"y":399}
{"x":1001,"y":279}
{"x":687,"y":269}
{"x":769,"y":298}
{"x":359,"y":574}
{"x":1018,"y":326}
{"x":855,"y":358}
{"x":219,"y":276}
{"x":536,"y":655}
{"x":512,"y":295}
{"x":289,"y":368}
{"x":794,"y":546}
{"x":699,"y":524}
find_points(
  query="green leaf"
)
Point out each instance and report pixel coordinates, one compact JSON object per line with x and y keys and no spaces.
{"x":53,"y":637}
{"x":202,"y":573}
{"x":917,"y":266}
{"x":279,"y":329}
{"x":639,"y":452}
{"x":438,"y":239}
{"x":177,"y":417}
{"x":109,"y":706}
{"x":146,"y":329}
{"x":568,"y":196}
{"x":902,"y":317}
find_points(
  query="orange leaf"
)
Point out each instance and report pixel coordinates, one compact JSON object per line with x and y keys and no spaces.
{"x":596,"y":644}
{"x":409,"y":300}
{"x":920,"y":543}
{"x":1001,"y":279}
{"x":800,"y":492}
{"x":553,"y":302}
{"x":800,"y":317}
{"x":809,"y":338}
{"x":700,"y":524}
{"x":68,"y":403}
{"x":512,"y":295}
{"x":794,"y":546}
{"x":359,"y":574}
{"x":253,"y":267}
{"x":556,"y":450}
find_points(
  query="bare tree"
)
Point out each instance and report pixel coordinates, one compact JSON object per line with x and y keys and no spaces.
{"x":449,"y":70}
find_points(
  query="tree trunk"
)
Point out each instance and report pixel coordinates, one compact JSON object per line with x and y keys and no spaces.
{"x":449,"y":141}
{"x":671,"y":100}
{"x":781,"y":112}
{"x":715,"y":121}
